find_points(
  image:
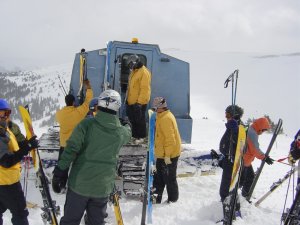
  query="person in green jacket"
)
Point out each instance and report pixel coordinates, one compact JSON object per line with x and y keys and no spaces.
{"x":93,"y":150}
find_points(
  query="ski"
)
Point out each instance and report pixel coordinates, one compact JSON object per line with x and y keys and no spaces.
{"x":232,"y":199}
{"x":148,"y":187}
{"x":50,"y":210}
{"x":274,"y":186}
{"x":259,"y":170}
{"x":114,"y":198}
{"x":291,"y":217}
{"x":82,"y":74}
{"x":107,"y":65}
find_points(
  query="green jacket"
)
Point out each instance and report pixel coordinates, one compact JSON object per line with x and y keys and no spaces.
{"x":93,"y":149}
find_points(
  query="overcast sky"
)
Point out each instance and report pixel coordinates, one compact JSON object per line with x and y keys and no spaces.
{"x":38,"y":33}
{"x":259,"y":37}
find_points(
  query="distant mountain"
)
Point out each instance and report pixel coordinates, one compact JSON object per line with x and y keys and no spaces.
{"x":40,"y":89}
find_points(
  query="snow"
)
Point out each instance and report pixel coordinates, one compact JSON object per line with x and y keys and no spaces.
{"x":199,"y":201}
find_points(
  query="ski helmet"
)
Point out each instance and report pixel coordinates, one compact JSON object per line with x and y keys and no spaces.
{"x":235,"y":110}
{"x":110,"y":99}
{"x":132,"y":61}
{"x":4,"y":105}
{"x":159,"y":103}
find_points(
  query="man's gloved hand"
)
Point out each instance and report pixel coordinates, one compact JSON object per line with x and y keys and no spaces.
{"x":125,"y":121}
{"x":33,"y":142}
{"x":59,"y":179}
{"x":291,"y":160}
{"x":137,"y":107}
{"x":167,"y":160}
{"x":269,"y":160}
{"x":214,"y":154}
{"x":87,"y":84}
{"x":27,"y":145}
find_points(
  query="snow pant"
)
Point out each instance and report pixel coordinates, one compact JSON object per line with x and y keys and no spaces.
{"x":247,"y":180}
{"x":75,"y":206}
{"x":166,"y":176}
{"x":61,"y":150}
{"x":226,"y":178}
{"x":12,"y":198}
{"x":137,"y":118}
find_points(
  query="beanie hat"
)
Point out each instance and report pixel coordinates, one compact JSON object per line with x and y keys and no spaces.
{"x":159,"y":103}
{"x":235,"y":110}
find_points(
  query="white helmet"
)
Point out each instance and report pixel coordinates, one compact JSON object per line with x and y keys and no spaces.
{"x":110,"y":99}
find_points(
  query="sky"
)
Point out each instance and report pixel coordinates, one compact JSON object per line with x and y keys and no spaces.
{"x":260,"y":38}
{"x":40,"y":33}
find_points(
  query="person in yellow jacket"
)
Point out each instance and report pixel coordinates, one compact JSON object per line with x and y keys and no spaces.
{"x":138,"y":96}
{"x":11,"y":153}
{"x":69,"y":116}
{"x":167,"y":151}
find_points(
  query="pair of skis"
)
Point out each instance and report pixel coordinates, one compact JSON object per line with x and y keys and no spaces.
{"x":148,"y":187}
{"x":50,"y":210}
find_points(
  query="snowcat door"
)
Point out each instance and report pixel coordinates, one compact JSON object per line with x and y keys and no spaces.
{"x":122,"y":71}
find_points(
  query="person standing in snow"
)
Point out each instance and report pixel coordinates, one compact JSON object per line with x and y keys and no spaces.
{"x":137,"y":97}
{"x":13,"y":146}
{"x":167,"y":151}
{"x":69,"y":116}
{"x":294,"y":154}
{"x":253,"y":151}
{"x":227,"y":147}
{"x":93,"y":150}
{"x":92,"y":108}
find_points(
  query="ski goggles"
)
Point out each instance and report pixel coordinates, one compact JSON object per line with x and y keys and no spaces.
{"x":6,"y":114}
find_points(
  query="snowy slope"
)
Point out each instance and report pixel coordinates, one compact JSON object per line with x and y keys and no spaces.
{"x":199,"y":199}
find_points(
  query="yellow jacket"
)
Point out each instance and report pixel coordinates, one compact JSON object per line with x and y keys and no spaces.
{"x":12,"y":174}
{"x":139,"y":86}
{"x":167,"y":137}
{"x":69,"y":116}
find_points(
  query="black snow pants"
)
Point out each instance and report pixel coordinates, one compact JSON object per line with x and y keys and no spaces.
{"x":137,"y":118}
{"x":247,"y":180}
{"x":166,"y":176}
{"x":75,"y":206}
{"x":12,"y":198}
{"x":226,"y":178}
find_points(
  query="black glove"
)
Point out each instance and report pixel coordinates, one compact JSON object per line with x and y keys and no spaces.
{"x":59,"y":179}
{"x":269,"y":160}
{"x":125,"y":121}
{"x":214,"y":154}
{"x":27,"y":145}
{"x":33,"y":143}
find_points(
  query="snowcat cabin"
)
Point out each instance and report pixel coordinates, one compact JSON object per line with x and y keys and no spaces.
{"x":108,"y":68}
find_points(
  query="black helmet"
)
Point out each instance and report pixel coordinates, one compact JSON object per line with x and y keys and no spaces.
{"x":132,"y":61}
{"x":235,"y":111}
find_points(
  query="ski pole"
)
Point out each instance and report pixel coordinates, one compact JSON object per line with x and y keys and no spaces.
{"x":282,"y":162}
{"x":286,"y":195}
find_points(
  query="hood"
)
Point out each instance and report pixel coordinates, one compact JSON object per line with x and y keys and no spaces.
{"x":261,"y":124}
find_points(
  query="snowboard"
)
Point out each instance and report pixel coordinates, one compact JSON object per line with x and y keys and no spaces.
{"x":259,"y":170}
{"x":231,"y":200}
{"x":148,"y":187}
{"x":50,"y":210}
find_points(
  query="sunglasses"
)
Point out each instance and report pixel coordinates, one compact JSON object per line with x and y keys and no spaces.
{"x":263,"y":130}
{"x":6,"y":114}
